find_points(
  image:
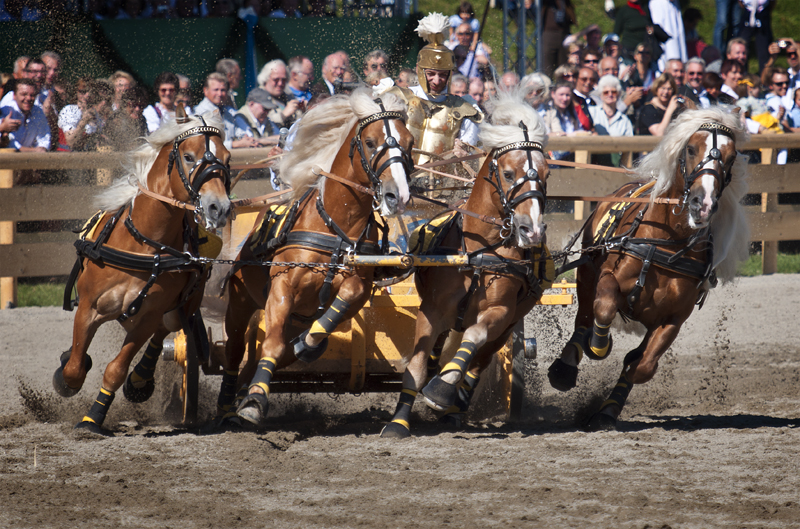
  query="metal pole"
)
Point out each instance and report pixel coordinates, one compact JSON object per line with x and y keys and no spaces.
{"x":521,"y":39}
{"x":505,"y":35}
{"x":539,"y":43}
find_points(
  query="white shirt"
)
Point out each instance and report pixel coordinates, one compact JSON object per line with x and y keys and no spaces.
{"x":469,"y":129}
{"x":616,"y":125}
{"x":33,"y":131}
{"x":667,"y":14}
{"x":228,"y":114}
{"x":730,"y":91}
{"x":156,"y":115}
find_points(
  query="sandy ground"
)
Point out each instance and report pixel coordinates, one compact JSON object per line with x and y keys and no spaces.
{"x":712,"y":441}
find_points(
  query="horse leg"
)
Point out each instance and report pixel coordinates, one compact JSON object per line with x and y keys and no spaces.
{"x":75,"y":363}
{"x":429,"y":338}
{"x":237,"y":317}
{"x":639,"y":366}
{"x":563,"y":372}
{"x":442,"y":390}
{"x":117,"y":370}
{"x":311,"y":344}
{"x":436,"y":355}
{"x":140,"y":384}
{"x":606,"y":304}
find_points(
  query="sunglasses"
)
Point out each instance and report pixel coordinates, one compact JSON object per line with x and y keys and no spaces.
{"x":785,"y":83}
{"x":586,"y":79}
{"x":166,"y":90}
{"x":609,"y":92}
{"x":468,"y":34}
{"x":694,"y":74}
{"x":591,"y":61}
{"x":377,"y":66}
{"x":568,"y":76}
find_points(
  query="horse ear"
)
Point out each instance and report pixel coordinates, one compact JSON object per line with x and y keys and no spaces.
{"x":180,"y":114}
{"x":736,"y":110}
{"x":690,"y":104}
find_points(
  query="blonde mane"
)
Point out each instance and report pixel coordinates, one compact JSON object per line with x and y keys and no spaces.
{"x":729,"y":225}
{"x":139,"y":161}
{"x":321,"y":133}
{"x":506,"y":110}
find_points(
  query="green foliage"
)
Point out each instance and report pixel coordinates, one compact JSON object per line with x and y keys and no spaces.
{"x":785,"y":22}
{"x":787,"y":264}
{"x":40,"y":295}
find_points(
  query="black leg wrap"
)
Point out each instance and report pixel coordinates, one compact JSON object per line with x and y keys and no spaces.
{"x":255,"y":406}
{"x":562,"y":376}
{"x":600,"y":342}
{"x":307,"y":354}
{"x":140,"y":384}
{"x":93,"y":421}
{"x":436,"y":356}
{"x":227,"y":391}
{"x":59,"y":384}
{"x":455,"y":413}
{"x":400,"y":427}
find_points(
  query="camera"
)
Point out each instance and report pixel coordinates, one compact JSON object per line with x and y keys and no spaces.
{"x":783,"y":44}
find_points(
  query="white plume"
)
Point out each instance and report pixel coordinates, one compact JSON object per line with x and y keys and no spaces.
{"x":431,"y":25}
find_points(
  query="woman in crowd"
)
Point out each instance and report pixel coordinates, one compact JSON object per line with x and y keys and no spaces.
{"x":121,"y":81}
{"x":564,"y":118}
{"x":80,"y":124}
{"x":127,"y":127}
{"x":656,"y":115}
{"x":608,"y":121}
{"x":644,"y":68}
{"x":566,"y":72}
{"x":166,"y":87}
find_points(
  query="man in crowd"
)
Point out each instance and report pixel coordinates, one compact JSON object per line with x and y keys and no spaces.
{"x":791,"y":48}
{"x":406,"y":78}
{"x":778,"y":88}
{"x":301,"y":75}
{"x":693,"y":75}
{"x":251,"y":120}
{"x":590,"y":59}
{"x":509,"y":81}
{"x":273,"y":79}
{"x":376,"y":66}
{"x":476,"y":88}
{"x":333,"y":68}
{"x":215,"y":92}
{"x":459,"y":85}
{"x":587,"y":79}
{"x":23,"y":125}
{"x":736,"y":50}
{"x":233,"y":73}
{"x":476,"y":56}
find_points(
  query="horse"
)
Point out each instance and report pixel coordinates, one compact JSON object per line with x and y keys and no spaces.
{"x":349,"y":160}
{"x":502,"y":231}
{"x":137,"y":258}
{"x":652,"y":261}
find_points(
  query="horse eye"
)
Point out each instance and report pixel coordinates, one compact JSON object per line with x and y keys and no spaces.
{"x":508,"y":175}
{"x":189,"y":158}
{"x":691,"y":150}
{"x":370,"y":144}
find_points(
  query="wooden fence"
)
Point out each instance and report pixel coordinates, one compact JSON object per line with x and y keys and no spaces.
{"x":52,"y":254}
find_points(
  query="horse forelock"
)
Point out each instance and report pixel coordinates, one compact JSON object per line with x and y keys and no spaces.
{"x":506,"y":110}
{"x":139,"y":161}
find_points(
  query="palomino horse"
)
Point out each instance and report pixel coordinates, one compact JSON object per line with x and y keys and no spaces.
{"x":139,"y":268}
{"x":503,"y":235}
{"x":366,"y":147}
{"x":652,"y":262}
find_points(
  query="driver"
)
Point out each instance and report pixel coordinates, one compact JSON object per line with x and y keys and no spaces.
{"x":435,"y":118}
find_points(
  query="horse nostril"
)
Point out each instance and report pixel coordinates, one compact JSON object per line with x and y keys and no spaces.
{"x":390,"y":199}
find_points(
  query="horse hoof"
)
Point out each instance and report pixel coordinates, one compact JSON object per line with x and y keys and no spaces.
{"x":439,"y":394}
{"x":305,"y":353}
{"x":395,"y":430}
{"x":562,"y":376}
{"x":138,"y":395}
{"x":454,"y":420}
{"x":94,"y":428}
{"x":601,"y":422}
{"x":59,"y":384}
{"x":253,"y":410}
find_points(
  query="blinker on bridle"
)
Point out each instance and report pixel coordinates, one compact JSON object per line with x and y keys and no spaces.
{"x":390,"y":142}
{"x":194,"y":182}
{"x":511,"y":200}
{"x":714,"y":155}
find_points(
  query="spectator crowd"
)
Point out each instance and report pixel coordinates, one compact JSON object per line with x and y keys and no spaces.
{"x":632,"y":81}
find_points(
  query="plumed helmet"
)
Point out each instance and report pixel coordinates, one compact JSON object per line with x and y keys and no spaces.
{"x":434,"y":55}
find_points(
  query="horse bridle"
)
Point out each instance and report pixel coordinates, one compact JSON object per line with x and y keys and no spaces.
{"x":213,"y":164}
{"x":511,"y":199}
{"x":714,"y":155}
{"x":390,"y":142}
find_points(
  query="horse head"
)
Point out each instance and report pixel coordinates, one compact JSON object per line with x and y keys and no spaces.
{"x":199,"y":172}
{"x":519,"y":171}
{"x":382,"y":144}
{"x":710,"y":153}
